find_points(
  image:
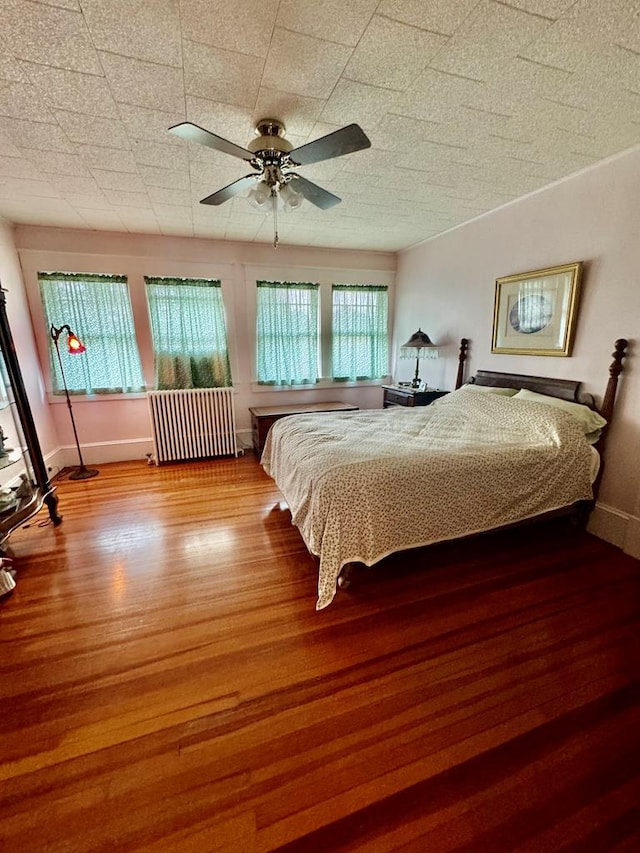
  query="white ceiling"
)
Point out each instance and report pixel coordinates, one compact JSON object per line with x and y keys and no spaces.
{"x":468,"y":104}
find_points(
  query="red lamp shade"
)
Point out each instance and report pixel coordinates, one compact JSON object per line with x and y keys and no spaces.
{"x":74,"y":344}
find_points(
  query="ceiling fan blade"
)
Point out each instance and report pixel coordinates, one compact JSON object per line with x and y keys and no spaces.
{"x":344,"y":141}
{"x":232,"y":189}
{"x":194,"y":133}
{"x":315,"y":194}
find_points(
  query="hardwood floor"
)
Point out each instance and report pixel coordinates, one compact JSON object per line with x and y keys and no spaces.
{"x":167,"y":684}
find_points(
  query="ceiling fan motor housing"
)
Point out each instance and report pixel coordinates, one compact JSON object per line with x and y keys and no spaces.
{"x":270,"y":138}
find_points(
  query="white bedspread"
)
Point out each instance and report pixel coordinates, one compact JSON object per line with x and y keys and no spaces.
{"x":362,"y":485}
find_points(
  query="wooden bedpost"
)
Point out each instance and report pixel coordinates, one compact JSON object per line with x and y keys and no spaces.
{"x":608,"y":402}
{"x":462,"y":357}
{"x":614,"y":372}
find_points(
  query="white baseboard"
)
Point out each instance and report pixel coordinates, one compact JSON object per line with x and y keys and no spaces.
{"x":618,"y":528}
{"x":100,"y":453}
{"x":632,"y":539}
{"x":118,"y":451}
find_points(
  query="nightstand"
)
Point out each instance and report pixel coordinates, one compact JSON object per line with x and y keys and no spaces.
{"x":403,"y":395}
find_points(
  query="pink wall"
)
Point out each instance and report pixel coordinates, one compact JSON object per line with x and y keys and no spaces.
{"x":112,"y":428}
{"x":447,"y":285}
{"x":22,"y":332}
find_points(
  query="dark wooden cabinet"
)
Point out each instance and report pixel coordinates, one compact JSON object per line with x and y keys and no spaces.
{"x":262,"y":417}
{"x":24,"y":480}
{"x":402,"y":395}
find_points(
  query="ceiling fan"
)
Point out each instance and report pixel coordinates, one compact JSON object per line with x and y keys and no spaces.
{"x":274,"y":160}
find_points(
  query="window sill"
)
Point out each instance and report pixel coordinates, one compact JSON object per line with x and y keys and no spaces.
{"x":322,"y":385}
{"x":94,"y":398}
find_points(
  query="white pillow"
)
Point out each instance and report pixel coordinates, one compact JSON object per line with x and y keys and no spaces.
{"x":589,"y":420}
{"x":503,"y":392}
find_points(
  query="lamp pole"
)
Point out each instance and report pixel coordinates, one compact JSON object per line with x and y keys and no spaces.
{"x":81,"y":473}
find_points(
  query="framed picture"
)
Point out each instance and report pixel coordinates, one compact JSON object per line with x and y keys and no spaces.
{"x":535,"y":312}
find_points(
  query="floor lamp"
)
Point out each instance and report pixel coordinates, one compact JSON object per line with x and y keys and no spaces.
{"x":74,"y":347}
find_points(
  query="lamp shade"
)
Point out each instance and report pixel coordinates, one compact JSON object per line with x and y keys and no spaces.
{"x":419,"y":345}
{"x":74,"y":344}
{"x":418,"y":340}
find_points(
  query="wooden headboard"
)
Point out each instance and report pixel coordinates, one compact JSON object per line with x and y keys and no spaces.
{"x":565,"y":389}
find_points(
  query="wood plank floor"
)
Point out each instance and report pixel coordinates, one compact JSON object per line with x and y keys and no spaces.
{"x":167,"y":685}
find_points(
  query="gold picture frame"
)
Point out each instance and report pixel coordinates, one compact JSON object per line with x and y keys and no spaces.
{"x":535,"y":312}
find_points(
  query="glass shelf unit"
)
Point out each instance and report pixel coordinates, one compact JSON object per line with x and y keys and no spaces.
{"x":24,"y":480}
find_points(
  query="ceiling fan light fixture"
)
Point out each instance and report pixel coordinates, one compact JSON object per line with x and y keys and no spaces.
{"x":273,"y":157}
{"x":259,"y":196}
{"x":291,"y":198}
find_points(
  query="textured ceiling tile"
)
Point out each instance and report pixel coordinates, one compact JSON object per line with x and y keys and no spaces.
{"x":71,"y":90}
{"x":222,"y":75}
{"x":160,"y":154}
{"x":102,"y":220}
{"x":19,"y":187}
{"x":357,"y":102}
{"x":602,"y":19}
{"x":148,"y":31}
{"x":28,"y":134}
{"x":59,"y":216}
{"x":74,"y":185}
{"x":520,"y":75}
{"x":304,"y":65}
{"x":554,"y":98}
{"x":165,"y":196}
{"x":112,"y":159}
{"x":244,"y":25}
{"x":436,"y":96}
{"x":141,"y":123}
{"x":9,"y":68}
{"x":546,"y":8}
{"x":333,"y":20}
{"x":468,"y":59}
{"x":438,"y":16}
{"x":561,"y":46}
{"x":122,"y":198}
{"x":17,"y":167}
{"x":400,"y":133}
{"x":618,"y":63}
{"x":231,"y":121}
{"x":57,"y":163}
{"x":92,"y":200}
{"x":7,"y":148}
{"x":74,"y":5}
{"x":21,"y":100}
{"x":205,"y":179}
{"x":153,"y":176}
{"x":502,"y":28}
{"x":156,"y":87}
{"x":93,"y":130}
{"x":48,"y":35}
{"x":391,"y":54}
{"x":108,"y":180}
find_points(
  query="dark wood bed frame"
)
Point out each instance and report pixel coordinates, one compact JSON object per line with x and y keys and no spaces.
{"x":564,"y":389}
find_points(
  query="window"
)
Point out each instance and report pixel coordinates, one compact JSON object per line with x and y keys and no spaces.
{"x":97,"y":308}
{"x":189,"y":333}
{"x":287,"y":333}
{"x":359,"y":337}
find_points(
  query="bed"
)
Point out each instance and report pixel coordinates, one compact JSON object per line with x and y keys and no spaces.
{"x":499,"y":450}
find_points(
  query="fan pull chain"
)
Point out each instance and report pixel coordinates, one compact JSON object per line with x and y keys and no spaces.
{"x":274,"y":201}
